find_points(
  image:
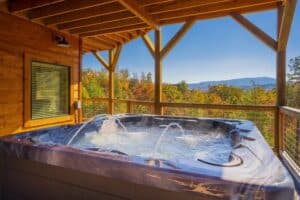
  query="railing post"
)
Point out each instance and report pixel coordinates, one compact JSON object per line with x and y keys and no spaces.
{"x":158,"y":74}
{"x":129,"y":107}
{"x":281,"y":130}
{"x":111,"y":94}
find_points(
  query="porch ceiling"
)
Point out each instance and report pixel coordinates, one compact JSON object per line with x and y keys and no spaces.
{"x":104,"y":24}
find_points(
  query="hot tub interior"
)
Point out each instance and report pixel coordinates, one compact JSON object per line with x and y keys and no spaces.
{"x":172,"y":139}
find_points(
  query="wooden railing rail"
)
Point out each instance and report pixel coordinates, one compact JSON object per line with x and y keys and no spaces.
{"x":219,"y":106}
{"x":189,"y":105}
{"x":289,"y":111}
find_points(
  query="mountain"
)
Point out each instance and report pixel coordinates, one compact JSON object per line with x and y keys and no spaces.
{"x":245,"y":83}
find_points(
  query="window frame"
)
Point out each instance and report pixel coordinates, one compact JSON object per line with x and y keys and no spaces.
{"x":56,"y":120}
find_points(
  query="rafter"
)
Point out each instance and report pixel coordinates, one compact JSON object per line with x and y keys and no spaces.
{"x":286,"y":23}
{"x":180,"y":5}
{"x":116,"y":37}
{"x":86,"y":13}
{"x":183,"y":30}
{"x":140,"y":12}
{"x":97,"y":20}
{"x":109,"y":39}
{"x":149,"y":44}
{"x":64,"y":7}
{"x":23,"y":5}
{"x":257,"y":32}
{"x":228,"y":6}
{"x":217,"y":14}
{"x":109,"y":25}
{"x":115,"y":30}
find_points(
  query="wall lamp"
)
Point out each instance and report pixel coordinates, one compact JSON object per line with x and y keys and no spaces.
{"x":61,"y":41}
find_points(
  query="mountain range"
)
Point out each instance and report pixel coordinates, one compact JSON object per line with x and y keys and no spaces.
{"x":244,"y":83}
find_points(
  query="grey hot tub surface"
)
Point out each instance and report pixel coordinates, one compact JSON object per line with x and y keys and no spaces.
{"x":180,"y":164}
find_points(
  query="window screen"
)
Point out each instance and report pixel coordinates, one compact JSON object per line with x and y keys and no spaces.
{"x":49,"y":90}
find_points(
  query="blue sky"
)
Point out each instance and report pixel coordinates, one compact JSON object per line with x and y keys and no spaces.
{"x":216,"y":49}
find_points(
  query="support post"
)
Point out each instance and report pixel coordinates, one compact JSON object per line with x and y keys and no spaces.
{"x":129,"y":107}
{"x":159,"y":53}
{"x":111,"y":73}
{"x":79,"y":110}
{"x":158,"y":73}
{"x":113,"y":57}
{"x":281,"y":84}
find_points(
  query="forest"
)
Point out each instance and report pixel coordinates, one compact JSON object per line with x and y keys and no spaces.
{"x":140,"y":87}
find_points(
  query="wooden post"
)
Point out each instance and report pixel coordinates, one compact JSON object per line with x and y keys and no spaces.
{"x":79,"y":112}
{"x":129,"y":107}
{"x":111,"y":73}
{"x":281,"y":84}
{"x":158,"y":74}
{"x":159,"y":53}
{"x":113,"y":57}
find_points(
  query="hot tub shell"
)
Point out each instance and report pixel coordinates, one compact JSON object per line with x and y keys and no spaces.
{"x":41,"y":171}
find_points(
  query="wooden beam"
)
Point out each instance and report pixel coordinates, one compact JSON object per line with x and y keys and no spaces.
{"x":96,"y":20}
{"x":115,"y":30}
{"x":231,"y":6}
{"x":116,"y":57}
{"x":86,"y":13}
{"x":24,"y":5}
{"x":280,"y":85}
{"x":101,"y":60}
{"x":109,"y":25}
{"x":64,"y":7}
{"x":180,"y":5}
{"x":103,"y":41}
{"x":257,"y":32}
{"x":281,"y":64}
{"x":184,"y":29}
{"x":125,"y":37}
{"x":116,"y":37}
{"x":140,"y":12}
{"x":158,"y":74}
{"x":286,"y":23}
{"x":149,"y":44}
{"x":98,"y":42}
{"x":109,"y":39}
{"x":218,"y":14}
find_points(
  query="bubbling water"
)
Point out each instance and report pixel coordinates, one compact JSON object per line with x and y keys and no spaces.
{"x":173,"y":143}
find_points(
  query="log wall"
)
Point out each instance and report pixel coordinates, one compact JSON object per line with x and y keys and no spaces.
{"x":19,"y":39}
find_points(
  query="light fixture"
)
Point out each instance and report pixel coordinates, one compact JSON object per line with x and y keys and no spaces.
{"x":61,"y":41}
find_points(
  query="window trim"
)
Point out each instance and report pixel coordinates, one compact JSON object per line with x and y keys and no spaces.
{"x":28,"y":121}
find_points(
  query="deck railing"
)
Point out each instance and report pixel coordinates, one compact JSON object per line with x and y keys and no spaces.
{"x":290,"y":138}
{"x":263,"y":116}
{"x":280,"y":126}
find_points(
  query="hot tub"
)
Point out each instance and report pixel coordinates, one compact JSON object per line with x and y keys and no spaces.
{"x":143,"y":157}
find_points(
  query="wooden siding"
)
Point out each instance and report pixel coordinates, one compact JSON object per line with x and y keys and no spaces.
{"x":20,"y":38}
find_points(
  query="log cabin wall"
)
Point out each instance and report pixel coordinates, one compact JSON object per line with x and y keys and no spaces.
{"x":20,"y":39}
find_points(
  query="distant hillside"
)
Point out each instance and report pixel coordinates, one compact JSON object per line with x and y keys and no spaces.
{"x":245,"y":83}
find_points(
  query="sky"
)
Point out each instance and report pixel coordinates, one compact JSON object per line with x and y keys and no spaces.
{"x":216,"y":49}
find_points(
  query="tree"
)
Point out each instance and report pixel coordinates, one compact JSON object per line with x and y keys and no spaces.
{"x":183,"y":87}
{"x":149,"y":77}
{"x":293,"y":86}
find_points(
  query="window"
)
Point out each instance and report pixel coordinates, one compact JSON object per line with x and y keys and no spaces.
{"x":50,"y":90}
